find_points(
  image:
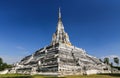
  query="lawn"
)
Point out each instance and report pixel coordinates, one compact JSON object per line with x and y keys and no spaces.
{"x":15,"y":76}
{"x":38,"y":76}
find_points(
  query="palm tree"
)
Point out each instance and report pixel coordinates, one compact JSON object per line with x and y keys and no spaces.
{"x":106,"y":60}
{"x":116,"y":60}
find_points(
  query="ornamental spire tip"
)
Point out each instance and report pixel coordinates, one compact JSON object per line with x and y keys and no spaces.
{"x":59,"y":13}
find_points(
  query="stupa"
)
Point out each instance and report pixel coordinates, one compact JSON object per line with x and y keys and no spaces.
{"x":60,"y":58}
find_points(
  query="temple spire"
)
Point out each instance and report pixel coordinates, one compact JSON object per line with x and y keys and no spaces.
{"x":60,"y":36}
{"x":59,"y":13}
{"x":60,"y":24}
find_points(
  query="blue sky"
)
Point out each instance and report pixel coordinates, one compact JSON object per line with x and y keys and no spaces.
{"x":28,"y":25}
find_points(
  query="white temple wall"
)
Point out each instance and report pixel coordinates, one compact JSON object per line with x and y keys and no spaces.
{"x":4,"y":72}
{"x":88,"y":72}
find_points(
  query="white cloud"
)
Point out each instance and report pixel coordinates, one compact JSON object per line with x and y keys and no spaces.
{"x":19,"y":53}
{"x":11,"y":59}
{"x":20,"y":48}
{"x":23,"y":50}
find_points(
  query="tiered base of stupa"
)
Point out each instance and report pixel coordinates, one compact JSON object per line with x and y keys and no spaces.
{"x":60,"y":60}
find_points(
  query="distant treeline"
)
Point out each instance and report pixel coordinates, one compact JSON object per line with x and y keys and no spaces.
{"x":106,"y":60}
{"x":3,"y":65}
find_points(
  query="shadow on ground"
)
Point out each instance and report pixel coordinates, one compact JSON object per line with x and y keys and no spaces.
{"x":113,"y":75}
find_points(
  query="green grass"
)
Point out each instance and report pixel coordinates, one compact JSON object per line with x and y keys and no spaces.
{"x":15,"y":76}
{"x":96,"y":76}
{"x":39,"y":76}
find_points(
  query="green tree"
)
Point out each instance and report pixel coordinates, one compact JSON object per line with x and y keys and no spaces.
{"x":116,"y":60}
{"x":106,"y":60}
{"x":4,"y":65}
{"x":1,"y":61}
